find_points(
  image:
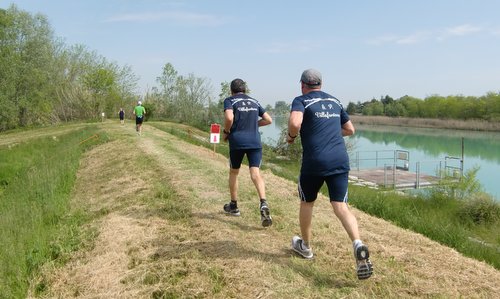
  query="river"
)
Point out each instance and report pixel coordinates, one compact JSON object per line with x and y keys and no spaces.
{"x":428,"y":147}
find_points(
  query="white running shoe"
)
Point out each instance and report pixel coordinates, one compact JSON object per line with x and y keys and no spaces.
{"x":298,"y":247}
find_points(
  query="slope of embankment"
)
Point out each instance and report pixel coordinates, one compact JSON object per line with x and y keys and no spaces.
{"x":155,"y":203}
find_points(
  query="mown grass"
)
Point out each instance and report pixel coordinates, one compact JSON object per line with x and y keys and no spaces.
{"x":447,"y":220}
{"x":36,"y":179}
{"x":170,"y":277}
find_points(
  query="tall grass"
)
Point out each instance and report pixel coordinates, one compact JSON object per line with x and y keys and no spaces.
{"x":438,"y":217}
{"x":36,"y":179}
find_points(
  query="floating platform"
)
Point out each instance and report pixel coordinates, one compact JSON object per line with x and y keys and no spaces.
{"x":393,"y":178}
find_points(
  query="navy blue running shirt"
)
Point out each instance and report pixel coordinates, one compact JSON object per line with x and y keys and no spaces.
{"x":245,"y":129}
{"x":324,"y":151}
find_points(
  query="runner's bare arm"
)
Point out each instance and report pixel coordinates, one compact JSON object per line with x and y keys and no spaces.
{"x":348,"y":129}
{"x":294,"y":124}
{"x":265,"y":120}
{"x":228,"y":122}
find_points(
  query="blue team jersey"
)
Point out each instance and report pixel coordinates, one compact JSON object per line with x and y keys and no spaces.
{"x":324,"y":151}
{"x":245,"y":129}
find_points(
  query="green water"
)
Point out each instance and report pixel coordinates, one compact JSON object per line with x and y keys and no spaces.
{"x":428,"y":147}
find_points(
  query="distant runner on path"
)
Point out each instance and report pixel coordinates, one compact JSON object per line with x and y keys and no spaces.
{"x":139,"y":112}
{"x":121,"y":114}
{"x":243,"y":116}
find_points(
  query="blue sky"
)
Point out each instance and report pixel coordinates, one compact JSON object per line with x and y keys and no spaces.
{"x":364,"y":49}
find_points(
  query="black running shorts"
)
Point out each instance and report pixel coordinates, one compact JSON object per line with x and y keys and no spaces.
{"x":309,"y":186}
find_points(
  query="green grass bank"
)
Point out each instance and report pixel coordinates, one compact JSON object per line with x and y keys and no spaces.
{"x":36,"y":180}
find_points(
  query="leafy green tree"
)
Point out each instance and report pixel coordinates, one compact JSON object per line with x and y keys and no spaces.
{"x":490,"y":106}
{"x":269,"y":108}
{"x":100,"y":83}
{"x":106,"y":86}
{"x":281,"y":108}
{"x":386,"y":101}
{"x":225,"y":91}
{"x":8,"y":59}
{"x":430,"y":109}
{"x":167,"y":82}
{"x":412,"y":106}
{"x":27,"y":54}
{"x":395,"y":109}
{"x":192,"y":97}
{"x":351,"y":108}
{"x":43,"y":81}
{"x":373,"y":108}
{"x":150,"y":110}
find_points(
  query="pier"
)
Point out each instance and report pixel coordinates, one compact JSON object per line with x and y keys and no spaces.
{"x":391,"y":169}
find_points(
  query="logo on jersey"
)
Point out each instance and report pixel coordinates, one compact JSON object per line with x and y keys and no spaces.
{"x":327,"y":115}
{"x":246,"y":109}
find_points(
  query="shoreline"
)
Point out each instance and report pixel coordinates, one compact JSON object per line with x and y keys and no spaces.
{"x":470,"y":125}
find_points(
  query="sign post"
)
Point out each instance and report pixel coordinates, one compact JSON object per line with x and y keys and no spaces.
{"x":214,"y":134}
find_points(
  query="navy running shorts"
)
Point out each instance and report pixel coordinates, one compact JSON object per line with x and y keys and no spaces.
{"x":309,"y":186}
{"x":138,"y":120}
{"x":254,"y":157}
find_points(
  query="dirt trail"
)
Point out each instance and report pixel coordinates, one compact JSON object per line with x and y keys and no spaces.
{"x":157,"y":202}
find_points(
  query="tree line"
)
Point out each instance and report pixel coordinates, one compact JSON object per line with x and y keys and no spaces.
{"x":185,"y":99}
{"x":44,"y":81}
{"x":459,"y":107}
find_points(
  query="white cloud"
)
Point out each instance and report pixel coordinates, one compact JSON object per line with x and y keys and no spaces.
{"x":301,"y":46}
{"x":462,"y":30}
{"x":423,"y":36}
{"x":179,"y":17}
{"x":414,"y":38}
{"x":382,"y":40}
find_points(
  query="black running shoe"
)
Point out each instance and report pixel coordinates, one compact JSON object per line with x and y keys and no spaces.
{"x":231,"y":209}
{"x":265,"y":215}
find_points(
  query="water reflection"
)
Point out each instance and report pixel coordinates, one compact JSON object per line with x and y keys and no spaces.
{"x":435,"y":142}
{"x":481,"y":149}
{"x":271,"y":133}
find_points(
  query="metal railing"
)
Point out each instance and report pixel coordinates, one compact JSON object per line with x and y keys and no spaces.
{"x":393,"y":160}
{"x":399,"y":158}
{"x":458,"y":171}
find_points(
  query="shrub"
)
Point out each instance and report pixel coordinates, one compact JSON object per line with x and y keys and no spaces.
{"x":481,"y":209}
{"x":291,"y":151}
{"x":467,"y":187}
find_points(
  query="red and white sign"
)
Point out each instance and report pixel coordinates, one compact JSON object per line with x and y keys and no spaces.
{"x":215,"y":133}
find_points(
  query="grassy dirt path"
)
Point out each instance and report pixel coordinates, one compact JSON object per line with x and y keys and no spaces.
{"x":156,"y":208}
